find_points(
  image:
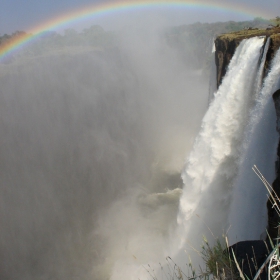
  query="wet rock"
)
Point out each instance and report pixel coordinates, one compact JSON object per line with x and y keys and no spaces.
{"x":250,"y":256}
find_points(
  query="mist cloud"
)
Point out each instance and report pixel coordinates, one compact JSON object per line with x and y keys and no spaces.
{"x":92,"y":145}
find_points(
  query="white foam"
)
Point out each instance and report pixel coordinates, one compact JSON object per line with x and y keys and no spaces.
{"x":213,"y":162}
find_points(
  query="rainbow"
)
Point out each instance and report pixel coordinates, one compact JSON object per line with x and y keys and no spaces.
{"x":119,"y":5}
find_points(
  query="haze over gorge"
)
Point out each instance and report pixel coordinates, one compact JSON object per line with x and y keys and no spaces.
{"x":117,"y":151}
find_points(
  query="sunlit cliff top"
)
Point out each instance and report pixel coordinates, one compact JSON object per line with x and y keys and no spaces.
{"x":251,"y":32}
{"x":227,"y":43}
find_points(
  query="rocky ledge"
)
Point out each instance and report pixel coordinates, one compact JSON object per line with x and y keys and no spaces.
{"x":227,"y":43}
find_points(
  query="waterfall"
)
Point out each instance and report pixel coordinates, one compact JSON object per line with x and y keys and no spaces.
{"x":259,"y":76}
{"x":213,"y":163}
{"x":260,"y":144}
{"x":213,"y":74}
{"x":212,"y":79}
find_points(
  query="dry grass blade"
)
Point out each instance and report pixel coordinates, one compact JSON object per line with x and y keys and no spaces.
{"x":273,"y":259}
{"x":238,"y":267}
{"x":273,"y":195}
{"x":266,"y":262}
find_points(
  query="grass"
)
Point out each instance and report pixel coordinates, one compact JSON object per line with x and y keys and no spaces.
{"x":273,"y":260}
{"x":220,"y":263}
{"x":243,"y":34}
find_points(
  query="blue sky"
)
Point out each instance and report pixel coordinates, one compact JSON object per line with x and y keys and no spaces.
{"x":23,"y":15}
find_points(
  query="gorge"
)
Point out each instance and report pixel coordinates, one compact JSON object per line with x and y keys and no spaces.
{"x":96,"y":138}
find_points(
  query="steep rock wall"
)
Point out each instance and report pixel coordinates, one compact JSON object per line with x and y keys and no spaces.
{"x":273,"y":217}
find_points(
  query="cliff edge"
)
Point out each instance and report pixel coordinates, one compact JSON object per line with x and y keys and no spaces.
{"x":227,"y":43}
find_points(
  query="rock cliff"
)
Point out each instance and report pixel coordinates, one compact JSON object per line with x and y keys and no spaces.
{"x":225,"y":48}
{"x":273,"y":217}
{"x":227,"y":43}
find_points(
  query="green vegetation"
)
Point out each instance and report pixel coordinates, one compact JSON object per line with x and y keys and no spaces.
{"x":240,"y":35}
{"x":218,"y":265}
{"x":218,"y":261}
{"x":275,"y":21}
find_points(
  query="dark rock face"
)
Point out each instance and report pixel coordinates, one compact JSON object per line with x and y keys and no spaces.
{"x":250,"y":256}
{"x":225,"y":49}
{"x":273,"y":217}
{"x":274,"y":46}
{"x":276,"y":99}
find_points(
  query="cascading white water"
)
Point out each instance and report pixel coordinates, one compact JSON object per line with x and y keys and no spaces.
{"x":237,"y":132}
{"x":259,"y":77}
{"x":259,"y":148}
{"x":213,"y":162}
{"x":212,"y":76}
